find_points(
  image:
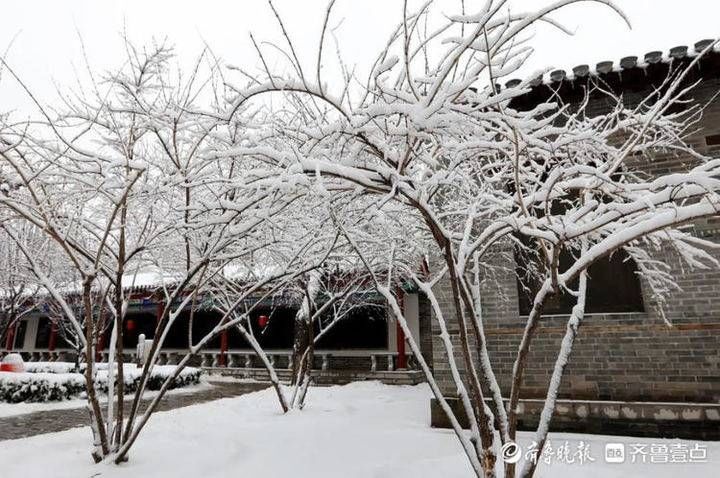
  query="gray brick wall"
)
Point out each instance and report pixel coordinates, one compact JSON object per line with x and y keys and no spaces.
{"x":426,"y":335}
{"x":632,"y":356}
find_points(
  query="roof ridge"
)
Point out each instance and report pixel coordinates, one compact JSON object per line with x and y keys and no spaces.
{"x":626,"y":63}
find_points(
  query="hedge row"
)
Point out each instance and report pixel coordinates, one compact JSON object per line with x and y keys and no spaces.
{"x":45,"y":387}
{"x":51,"y":367}
{"x":188,"y":376}
{"x":40,"y":387}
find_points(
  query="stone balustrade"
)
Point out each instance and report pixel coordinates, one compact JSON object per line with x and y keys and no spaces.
{"x":373,"y":361}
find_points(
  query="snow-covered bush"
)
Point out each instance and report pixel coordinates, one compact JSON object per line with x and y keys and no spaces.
{"x":45,"y":382}
{"x":50,"y":367}
{"x":132,"y":377}
{"x":188,"y":376}
{"x":40,"y":387}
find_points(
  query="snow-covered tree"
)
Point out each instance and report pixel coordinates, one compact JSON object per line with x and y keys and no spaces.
{"x":122,"y":179}
{"x":431,"y":130}
{"x":18,"y":288}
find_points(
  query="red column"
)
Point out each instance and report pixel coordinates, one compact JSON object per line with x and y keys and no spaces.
{"x":402,"y":357}
{"x":223,"y":348}
{"x":10,"y":337}
{"x":53,"y":336}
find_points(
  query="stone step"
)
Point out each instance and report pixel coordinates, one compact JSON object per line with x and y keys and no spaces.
{"x":327,"y":377}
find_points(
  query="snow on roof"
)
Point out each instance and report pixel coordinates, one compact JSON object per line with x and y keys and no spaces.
{"x":149,"y":279}
{"x":626,"y":63}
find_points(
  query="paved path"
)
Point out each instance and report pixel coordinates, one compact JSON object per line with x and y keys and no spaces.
{"x":38,"y":423}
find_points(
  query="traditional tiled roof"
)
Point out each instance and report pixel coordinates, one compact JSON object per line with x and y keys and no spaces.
{"x":626,"y":64}
{"x":630,"y":73}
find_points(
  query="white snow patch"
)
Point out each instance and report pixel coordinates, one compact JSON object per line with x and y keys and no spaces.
{"x":361,"y":430}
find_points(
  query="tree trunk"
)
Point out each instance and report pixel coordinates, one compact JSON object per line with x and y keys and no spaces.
{"x":301,"y":344}
{"x":96,"y":418}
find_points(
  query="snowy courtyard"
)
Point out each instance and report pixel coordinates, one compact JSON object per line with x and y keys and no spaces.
{"x":378,"y":239}
{"x":361,"y":430}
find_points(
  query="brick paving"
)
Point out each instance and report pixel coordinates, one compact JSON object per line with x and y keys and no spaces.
{"x":38,"y":423}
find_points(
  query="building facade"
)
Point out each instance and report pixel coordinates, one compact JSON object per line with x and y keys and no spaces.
{"x":363,"y":345}
{"x":629,"y":373}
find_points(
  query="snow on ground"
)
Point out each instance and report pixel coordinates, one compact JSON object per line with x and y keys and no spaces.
{"x":359,"y":430}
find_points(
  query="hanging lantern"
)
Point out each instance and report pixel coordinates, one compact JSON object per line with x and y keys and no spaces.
{"x":130,"y":325}
{"x":263,"y":321}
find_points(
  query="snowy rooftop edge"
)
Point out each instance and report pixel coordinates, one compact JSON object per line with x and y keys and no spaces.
{"x":625,"y":63}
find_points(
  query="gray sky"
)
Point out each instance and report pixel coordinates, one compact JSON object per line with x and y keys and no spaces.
{"x":46,"y":48}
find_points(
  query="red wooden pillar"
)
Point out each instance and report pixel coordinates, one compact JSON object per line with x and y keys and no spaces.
{"x":223,"y":348}
{"x":10,"y":337}
{"x":402,"y":357}
{"x":52,"y":342}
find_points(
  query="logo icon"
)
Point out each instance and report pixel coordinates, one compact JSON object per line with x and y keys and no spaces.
{"x":614,"y":453}
{"x":511,"y":452}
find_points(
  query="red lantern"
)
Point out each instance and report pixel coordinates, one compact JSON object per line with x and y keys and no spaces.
{"x":130,"y":325}
{"x":263,"y":321}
